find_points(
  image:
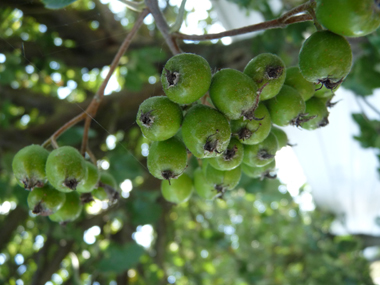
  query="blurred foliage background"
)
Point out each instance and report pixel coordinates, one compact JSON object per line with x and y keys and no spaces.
{"x":51,"y":64}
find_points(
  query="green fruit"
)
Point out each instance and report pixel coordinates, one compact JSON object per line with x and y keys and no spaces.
{"x":316,"y":108}
{"x":268,"y":71}
{"x":159,"y":118}
{"x":179,"y":190}
{"x":29,"y":166}
{"x":325,"y":58}
{"x":230,"y":158}
{"x":167,"y":159}
{"x":259,"y":172}
{"x":234,"y":94}
{"x":255,"y":131}
{"x":66,"y":169}
{"x":107,"y":189}
{"x":287,"y":107}
{"x":261,"y":154}
{"x":349,"y":18}
{"x":185,"y":78}
{"x":70,"y":209}
{"x":205,"y":131}
{"x":204,"y":189}
{"x":295,"y":79}
{"x":223,"y":180}
{"x":45,"y":201}
{"x":91,"y":180}
{"x":281,"y":136}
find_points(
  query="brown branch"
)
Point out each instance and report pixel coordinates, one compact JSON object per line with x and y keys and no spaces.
{"x":91,"y":110}
{"x":288,"y":18}
{"x":163,"y":26}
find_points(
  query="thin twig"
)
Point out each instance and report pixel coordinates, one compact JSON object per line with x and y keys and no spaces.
{"x":87,"y":124}
{"x":288,"y":18}
{"x":163,"y":26}
{"x":91,"y":110}
{"x":370,"y":105}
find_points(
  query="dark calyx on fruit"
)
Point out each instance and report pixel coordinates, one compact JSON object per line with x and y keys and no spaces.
{"x":324,"y":122}
{"x":211,"y":144}
{"x":274,"y":72}
{"x":86,"y":198}
{"x":40,"y":210}
{"x":250,"y":114}
{"x":172,"y":77}
{"x":301,"y":118}
{"x":328,"y":83}
{"x":168,"y":174}
{"x":263,"y":154}
{"x":246,"y":133}
{"x":147,"y":119}
{"x":71,"y":183}
{"x":111,"y":192}
{"x":220,"y":190}
{"x":29,"y":184}
{"x":267,"y":174}
{"x":229,"y":154}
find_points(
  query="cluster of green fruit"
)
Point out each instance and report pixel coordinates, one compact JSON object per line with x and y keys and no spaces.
{"x":72,"y":181}
{"x":236,"y":134}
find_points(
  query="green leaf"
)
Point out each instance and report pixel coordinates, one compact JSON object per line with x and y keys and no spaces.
{"x":57,"y":4}
{"x":118,"y":258}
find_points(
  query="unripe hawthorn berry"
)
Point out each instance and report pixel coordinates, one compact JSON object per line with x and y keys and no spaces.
{"x":259,"y":171}
{"x":253,"y":132}
{"x":349,"y":18}
{"x":92,"y":179}
{"x":66,"y":168}
{"x":262,"y":153}
{"x":179,"y":190}
{"x":281,"y":136}
{"x":159,"y":118}
{"x":325,"y":58}
{"x":167,"y":159}
{"x":205,"y":131}
{"x":185,"y":78}
{"x":46,"y":200}
{"x":287,"y":107}
{"x":234,"y":94}
{"x":29,"y":166}
{"x":70,"y":209}
{"x":268,"y":71}
{"x":222,"y":180}
{"x":317,"y":109}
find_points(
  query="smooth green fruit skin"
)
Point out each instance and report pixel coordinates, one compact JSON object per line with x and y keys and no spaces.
{"x":257,"y":69}
{"x":29,"y":166}
{"x":194,"y":78}
{"x":270,"y":145}
{"x":349,"y":18}
{"x":315,"y":107}
{"x":260,"y":129}
{"x":99,"y":192}
{"x":281,"y":136}
{"x":233,"y":92}
{"x":325,"y":55}
{"x":202,"y":123}
{"x":92,"y":178}
{"x":286,"y":106}
{"x":65,"y":163}
{"x":169,"y":155}
{"x":257,"y":171}
{"x":221,"y":163}
{"x":50,"y":200}
{"x":179,"y":190}
{"x":227,"y":179}
{"x":204,"y":189}
{"x":295,"y":79}
{"x":167,"y":118}
{"x":70,"y":209}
